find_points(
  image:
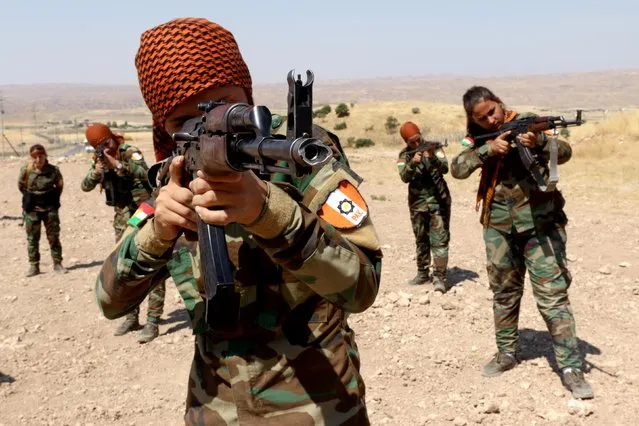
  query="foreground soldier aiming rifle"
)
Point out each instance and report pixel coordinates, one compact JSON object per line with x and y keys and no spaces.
{"x":272,"y":340}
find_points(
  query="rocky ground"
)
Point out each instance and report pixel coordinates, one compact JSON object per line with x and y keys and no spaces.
{"x":421,"y":351}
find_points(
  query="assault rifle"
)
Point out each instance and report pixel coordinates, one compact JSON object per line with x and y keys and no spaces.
{"x":106,"y":176}
{"x":428,"y":146}
{"x":237,"y":137}
{"x":529,"y":160}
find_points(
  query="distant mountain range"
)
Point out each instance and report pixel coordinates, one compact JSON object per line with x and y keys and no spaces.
{"x":605,"y":90}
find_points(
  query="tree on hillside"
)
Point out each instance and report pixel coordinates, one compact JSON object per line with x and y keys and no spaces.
{"x":341,"y":110}
{"x":391,"y":124}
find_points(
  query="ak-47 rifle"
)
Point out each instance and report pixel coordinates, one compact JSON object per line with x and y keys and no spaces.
{"x":438,"y":179}
{"x":237,"y":137}
{"x":529,"y":160}
{"x":428,"y":146}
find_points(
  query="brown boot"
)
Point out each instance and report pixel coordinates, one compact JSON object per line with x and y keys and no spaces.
{"x":149,"y":332}
{"x":130,"y":324}
{"x":34,"y":269}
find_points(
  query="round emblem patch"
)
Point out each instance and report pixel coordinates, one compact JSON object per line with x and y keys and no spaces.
{"x":345,"y":206}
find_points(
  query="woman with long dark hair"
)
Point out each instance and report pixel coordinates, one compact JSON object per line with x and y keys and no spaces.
{"x":524,"y":230}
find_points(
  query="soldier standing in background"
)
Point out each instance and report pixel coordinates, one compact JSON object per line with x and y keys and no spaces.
{"x":121,"y":171}
{"x":41,"y":183}
{"x":429,"y":203}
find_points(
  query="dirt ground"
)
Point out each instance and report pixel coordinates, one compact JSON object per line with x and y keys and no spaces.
{"x":421,"y":352}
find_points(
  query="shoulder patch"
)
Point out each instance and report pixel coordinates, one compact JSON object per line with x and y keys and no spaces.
{"x":468,"y":142}
{"x":345,"y":207}
{"x":136,"y":156}
{"x":440,"y":154}
{"x":141,"y":214}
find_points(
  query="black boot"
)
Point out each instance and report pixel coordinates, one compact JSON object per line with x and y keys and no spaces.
{"x":422,"y":277}
{"x":130,"y":324}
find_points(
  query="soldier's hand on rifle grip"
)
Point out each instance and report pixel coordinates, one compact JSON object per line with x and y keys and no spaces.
{"x":109,"y":161}
{"x":99,"y":167}
{"x":499,"y":145}
{"x":529,"y":139}
{"x":236,"y":197}
{"x":173,"y":206}
{"x":417,"y":158}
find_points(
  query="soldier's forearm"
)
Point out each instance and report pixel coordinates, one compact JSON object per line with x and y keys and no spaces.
{"x":467,"y":161}
{"x":90,"y":181}
{"x":133,"y":268}
{"x":319,"y":256}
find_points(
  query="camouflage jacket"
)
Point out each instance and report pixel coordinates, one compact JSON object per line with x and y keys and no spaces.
{"x":423,"y":194}
{"x":129,"y":185}
{"x":41,"y":189}
{"x":292,"y":355}
{"x":518,"y":203}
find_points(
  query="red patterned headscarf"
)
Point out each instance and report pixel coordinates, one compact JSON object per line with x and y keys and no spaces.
{"x":181,"y":58}
{"x":98,"y":133}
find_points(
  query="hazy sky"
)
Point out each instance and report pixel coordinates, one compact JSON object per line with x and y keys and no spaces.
{"x":88,"y":41}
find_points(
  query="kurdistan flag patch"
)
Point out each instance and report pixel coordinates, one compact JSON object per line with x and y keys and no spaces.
{"x":141,"y":214}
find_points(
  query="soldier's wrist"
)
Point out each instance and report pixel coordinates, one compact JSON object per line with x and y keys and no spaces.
{"x":148,"y":240}
{"x":484,"y":151}
{"x":277,"y":213}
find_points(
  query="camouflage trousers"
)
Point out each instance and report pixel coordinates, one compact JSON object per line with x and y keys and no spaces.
{"x":156,"y":297}
{"x":121,"y":217}
{"x":33,"y":225}
{"x":543,"y":254}
{"x":156,"y":304}
{"x":432,"y":232}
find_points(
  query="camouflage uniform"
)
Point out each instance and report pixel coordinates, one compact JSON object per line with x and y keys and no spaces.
{"x":41,"y":191}
{"x":429,"y":209}
{"x":131,"y":188}
{"x":526,"y":231}
{"x":291,"y":358}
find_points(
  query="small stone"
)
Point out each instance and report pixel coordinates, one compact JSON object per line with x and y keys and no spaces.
{"x":525,"y":385}
{"x":604,"y":270}
{"x":386,"y":246}
{"x":571,"y":257}
{"x":624,"y":264}
{"x":460,"y":421}
{"x":403,"y":302}
{"x":404,"y":295}
{"x":635,"y":291}
{"x":67,"y":298}
{"x":580,"y":408}
{"x":491,"y":408}
{"x":392,"y":297}
{"x":447,"y":306}
{"x":559,"y":393}
{"x":11,"y":299}
{"x":424,"y":300}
